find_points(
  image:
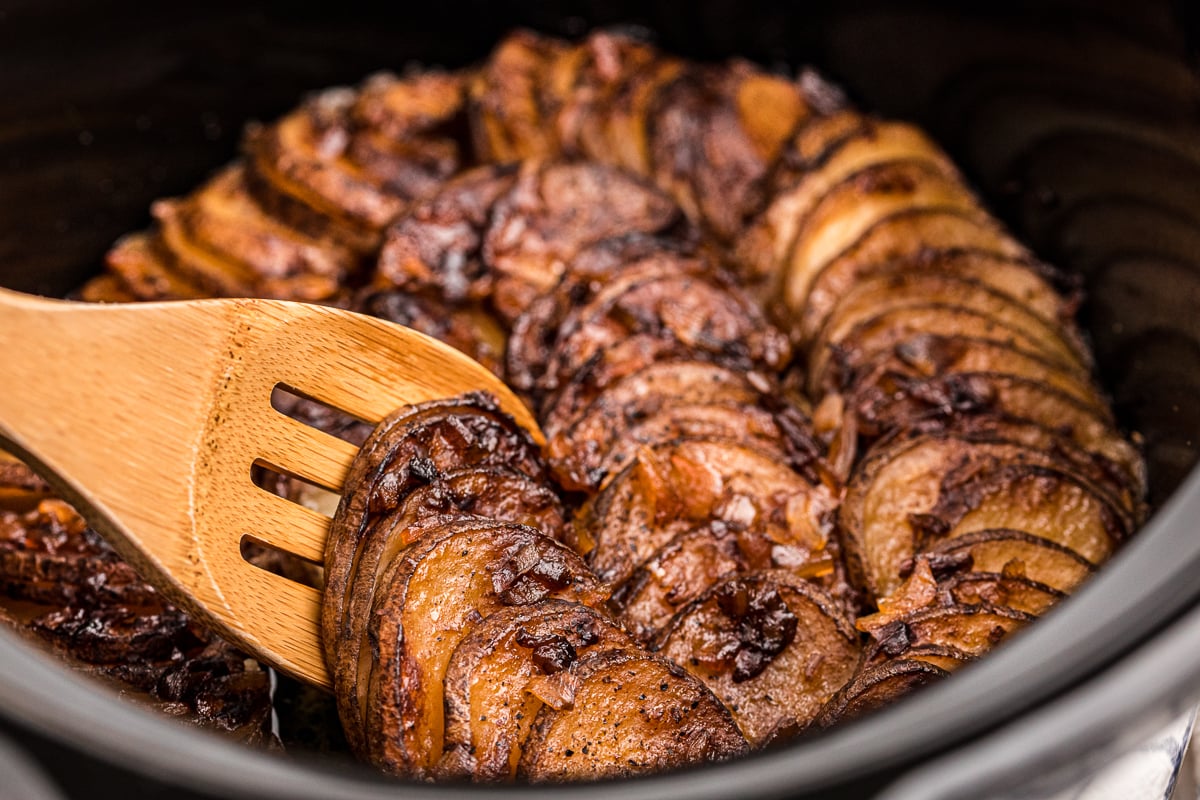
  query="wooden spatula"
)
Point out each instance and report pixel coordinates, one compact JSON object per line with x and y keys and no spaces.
{"x":150,"y":418}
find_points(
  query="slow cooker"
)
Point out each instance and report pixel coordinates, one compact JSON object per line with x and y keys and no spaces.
{"x":1078,"y":121}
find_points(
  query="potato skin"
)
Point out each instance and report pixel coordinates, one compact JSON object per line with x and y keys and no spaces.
{"x":633,"y":713}
{"x":490,"y":705}
{"x":772,"y":647}
{"x":426,"y":605}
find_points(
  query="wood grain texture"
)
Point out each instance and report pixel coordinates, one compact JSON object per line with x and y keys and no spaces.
{"x":150,"y":417}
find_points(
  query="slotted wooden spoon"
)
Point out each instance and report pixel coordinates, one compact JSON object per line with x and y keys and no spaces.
{"x":150,"y":417}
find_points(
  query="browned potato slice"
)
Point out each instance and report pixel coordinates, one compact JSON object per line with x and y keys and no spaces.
{"x":877,"y":687}
{"x":554,"y":212}
{"x":883,"y":335}
{"x":694,"y":560}
{"x":846,"y":146}
{"x":574,"y":452}
{"x":436,"y":247}
{"x":948,"y":240}
{"x":147,"y":269}
{"x":294,"y":157}
{"x":930,"y":355}
{"x":882,"y":293}
{"x":631,"y":713}
{"x":609,"y":366}
{"x":747,"y":425}
{"x":706,"y":316}
{"x":897,"y":402}
{"x":973,"y":630}
{"x":673,"y":487}
{"x":426,"y":604}
{"x":676,"y":574}
{"x":717,"y":131}
{"x":492,"y":492}
{"x":772,"y":647}
{"x":924,"y":487}
{"x":407,"y":450}
{"x":496,"y":681}
{"x":227,"y":243}
{"x":1018,"y":554}
{"x":604,"y":89}
{"x":997,"y":589}
{"x":536,"y":330}
{"x":1045,"y":502}
{"x":508,"y":123}
{"x":860,"y":200}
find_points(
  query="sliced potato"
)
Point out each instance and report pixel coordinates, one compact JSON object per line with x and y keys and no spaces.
{"x":751,"y":426}
{"x":945,"y":239}
{"x":705,"y":315}
{"x":876,"y":687}
{"x":575,"y":453}
{"x":897,"y":402}
{"x":1019,"y":554}
{"x":846,"y":145}
{"x":885,"y":292}
{"x":972,"y":630}
{"x":849,"y":209}
{"x":772,"y":647}
{"x":428,"y":601}
{"x":919,"y":488}
{"x":409,"y":449}
{"x":998,"y":589}
{"x":502,"y":673}
{"x":883,"y":335}
{"x":631,"y":713}
{"x":931,"y":355}
{"x":675,"y":486}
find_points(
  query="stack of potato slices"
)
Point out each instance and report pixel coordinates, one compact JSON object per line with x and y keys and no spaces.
{"x":819,"y":430}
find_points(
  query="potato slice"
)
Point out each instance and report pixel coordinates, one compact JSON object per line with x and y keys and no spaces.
{"x":230,"y":245}
{"x":596,"y":269}
{"x":501,"y":675}
{"x":436,"y":247}
{"x":1017,"y":553}
{"x":407,"y":450}
{"x":427,"y":603}
{"x":846,"y":144}
{"x":948,"y":240}
{"x":675,"y":486}
{"x":973,"y":630}
{"x":632,"y":713}
{"x":877,"y":687}
{"x":897,"y":402}
{"x":772,"y":647}
{"x":555,"y":211}
{"x":751,"y":426}
{"x":705,"y":315}
{"x":696,"y":559}
{"x":924,"y":355}
{"x":848,"y":210}
{"x":610,"y":366}
{"x":1045,"y":502}
{"x":887,"y":292}
{"x":574,"y":453}
{"x":314,"y":180}
{"x":498,"y":493}
{"x":923,"y":487}
{"x":883,"y":335}
{"x":997,"y":589}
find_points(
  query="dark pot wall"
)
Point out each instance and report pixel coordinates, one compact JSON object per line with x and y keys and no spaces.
{"x":1078,"y":120}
